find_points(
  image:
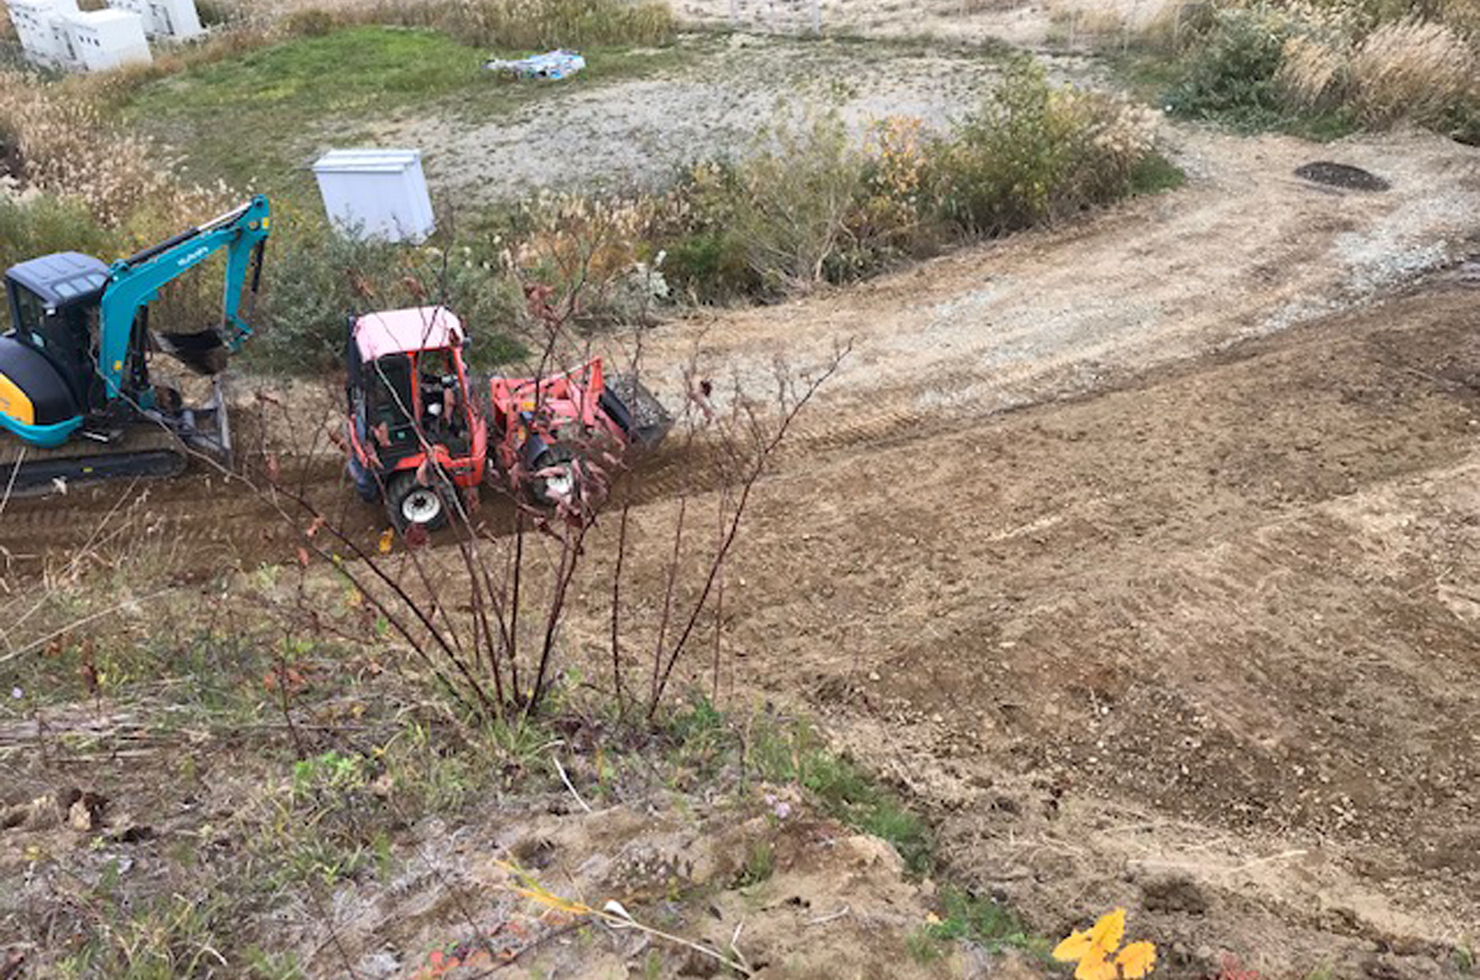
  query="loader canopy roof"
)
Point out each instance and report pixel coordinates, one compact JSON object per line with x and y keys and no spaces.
{"x":406,"y":331}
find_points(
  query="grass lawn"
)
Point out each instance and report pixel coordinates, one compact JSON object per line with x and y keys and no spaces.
{"x":257,"y":121}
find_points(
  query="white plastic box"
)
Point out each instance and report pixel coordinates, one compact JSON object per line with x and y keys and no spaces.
{"x":176,"y":19}
{"x":103,"y":39}
{"x":376,"y":194}
{"x":42,"y":30}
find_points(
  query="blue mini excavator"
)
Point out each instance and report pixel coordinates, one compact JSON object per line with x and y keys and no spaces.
{"x":74,"y":368}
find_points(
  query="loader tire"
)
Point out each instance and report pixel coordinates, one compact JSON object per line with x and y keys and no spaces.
{"x":547,"y":491}
{"x":409,"y":502}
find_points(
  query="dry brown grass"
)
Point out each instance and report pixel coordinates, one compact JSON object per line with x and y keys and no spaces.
{"x":1411,"y":69}
{"x":1313,"y":74}
{"x":69,"y":149}
{"x":497,"y":23}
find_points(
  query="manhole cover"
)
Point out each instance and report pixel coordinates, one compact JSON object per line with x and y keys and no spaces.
{"x":1341,"y":175}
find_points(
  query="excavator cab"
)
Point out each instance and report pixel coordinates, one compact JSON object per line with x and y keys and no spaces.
{"x":47,"y":380}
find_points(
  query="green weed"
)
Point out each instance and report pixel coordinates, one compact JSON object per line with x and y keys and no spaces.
{"x":1156,"y":174}
{"x":924,"y":948}
{"x":273,"y":966}
{"x":1322,"y":971}
{"x":162,"y":940}
{"x":982,"y":921}
{"x":842,"y":789}
{"x":760,"y":865}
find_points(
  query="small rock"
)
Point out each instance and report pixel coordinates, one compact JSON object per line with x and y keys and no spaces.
{"x":86,"y":811}
{"x":80,"y":816}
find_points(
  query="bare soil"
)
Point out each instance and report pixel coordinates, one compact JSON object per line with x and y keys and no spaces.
{"x":640,"y":133}
{"x":1142,"y":551}
{"x":1211,"y":636}
{"x":1023,"y":23}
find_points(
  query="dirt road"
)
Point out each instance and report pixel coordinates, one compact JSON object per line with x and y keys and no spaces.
{"x":1245,"y":250}
{"x":1194,"y":629}
{"x":1207,"y":646}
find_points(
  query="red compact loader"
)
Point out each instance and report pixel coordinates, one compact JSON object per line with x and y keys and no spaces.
{"x":418,"y":432}
{"x":414,"y":428}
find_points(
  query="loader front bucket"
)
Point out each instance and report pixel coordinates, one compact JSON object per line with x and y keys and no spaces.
{"x":627,"y":402}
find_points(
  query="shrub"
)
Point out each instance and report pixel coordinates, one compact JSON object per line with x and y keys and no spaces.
{"x":315,"y":279}
{"x":1034,"y":153}
{"x":36,"y":224}
{"x":709,"y":266}
{"x":1232,"y":71}
{"x":214,"y":13}
{"x":1331,"y":63}
{"x":310,"y":22}
{"x":1411,"y":69}
{"x":797,"y":191}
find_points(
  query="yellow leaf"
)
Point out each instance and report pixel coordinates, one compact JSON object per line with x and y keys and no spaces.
{"x":1072,"y":948}
{"x":386,"y":540}
{"x":1095,"y":966}
{"x":1108,"y":932}
{"x":1137,"y":960}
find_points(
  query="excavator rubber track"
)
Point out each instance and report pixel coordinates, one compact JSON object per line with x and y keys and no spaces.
{"x":146,"y":451}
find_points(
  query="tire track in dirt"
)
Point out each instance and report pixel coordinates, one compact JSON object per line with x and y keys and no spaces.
{"x":1227,"y":599}
{"x":1247,"y":249}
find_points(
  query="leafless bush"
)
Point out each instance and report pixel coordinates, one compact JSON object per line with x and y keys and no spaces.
{"x":486,"y":616}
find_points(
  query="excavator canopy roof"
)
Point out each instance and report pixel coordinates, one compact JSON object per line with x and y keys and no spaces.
{"x":63,"y":278}
{"x":407,"y":331}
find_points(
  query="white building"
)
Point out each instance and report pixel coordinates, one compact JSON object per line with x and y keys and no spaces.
{"x":41,"y":27}
{"x":103,"y":39}
{"x":176,"y":19}
{"x":376,"y":194}
{"x":56,"y":34}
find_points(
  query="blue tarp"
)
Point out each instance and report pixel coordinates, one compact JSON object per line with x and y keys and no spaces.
{"x":554,"y":64}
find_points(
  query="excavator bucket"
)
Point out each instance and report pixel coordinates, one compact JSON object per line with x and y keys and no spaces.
{"x":204,"y":352}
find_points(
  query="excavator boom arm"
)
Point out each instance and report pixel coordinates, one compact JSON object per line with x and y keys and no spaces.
{"x":134,"y":282}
